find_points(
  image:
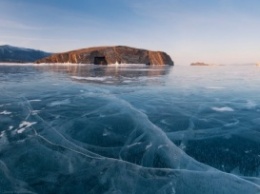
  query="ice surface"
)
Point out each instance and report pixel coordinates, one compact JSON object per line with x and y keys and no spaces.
{"x":156,"y":134}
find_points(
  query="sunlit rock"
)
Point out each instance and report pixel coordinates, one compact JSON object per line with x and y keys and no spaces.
{"x":110,"y":55}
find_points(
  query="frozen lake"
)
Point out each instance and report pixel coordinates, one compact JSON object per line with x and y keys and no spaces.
{"x":129,"y":129}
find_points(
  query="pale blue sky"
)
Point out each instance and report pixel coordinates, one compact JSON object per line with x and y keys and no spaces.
{"x":213,"y":31}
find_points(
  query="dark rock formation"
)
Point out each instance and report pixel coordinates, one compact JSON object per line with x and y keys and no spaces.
{"x":110,"y":55}
{"x":20,"y":55}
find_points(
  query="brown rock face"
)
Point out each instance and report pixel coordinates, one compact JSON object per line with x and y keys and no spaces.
{"x":110,"y":55}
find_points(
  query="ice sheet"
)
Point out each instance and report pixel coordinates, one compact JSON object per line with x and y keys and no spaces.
{"x":158,"y":133}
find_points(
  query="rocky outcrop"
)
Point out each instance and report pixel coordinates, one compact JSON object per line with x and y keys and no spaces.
{"x":110,"y":55}
{"x":200,"y":64}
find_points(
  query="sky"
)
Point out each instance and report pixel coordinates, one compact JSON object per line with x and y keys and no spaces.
{"x":210,"y":31}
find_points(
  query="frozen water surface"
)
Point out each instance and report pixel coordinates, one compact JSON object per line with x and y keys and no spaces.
{"x":129,"y":129}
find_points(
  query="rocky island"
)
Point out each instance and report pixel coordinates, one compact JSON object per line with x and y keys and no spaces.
{"x":200,"y":64}
{"x":110,"y":55}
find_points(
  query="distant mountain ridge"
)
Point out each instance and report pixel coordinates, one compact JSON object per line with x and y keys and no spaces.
{"x":14,"y":54}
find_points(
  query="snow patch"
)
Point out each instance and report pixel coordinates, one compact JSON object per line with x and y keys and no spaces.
{"x":24,"y":125}
{"x":250,"y":104}
{"x":35,"y":100}
{"x":35,"y":112}
{"x":148,"y":146}
{"x":5,"y":113}
{"x":58,"y":103}
{"x":91,"y":78}
{"x":223,"y":109}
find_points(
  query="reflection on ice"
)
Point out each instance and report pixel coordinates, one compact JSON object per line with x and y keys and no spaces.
{"x":110,"y":74}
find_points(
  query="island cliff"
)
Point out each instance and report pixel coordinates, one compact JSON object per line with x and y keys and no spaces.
{"x":110,"y":55}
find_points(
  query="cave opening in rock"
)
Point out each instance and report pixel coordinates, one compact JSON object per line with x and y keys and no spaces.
{"x":100,"y":61}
